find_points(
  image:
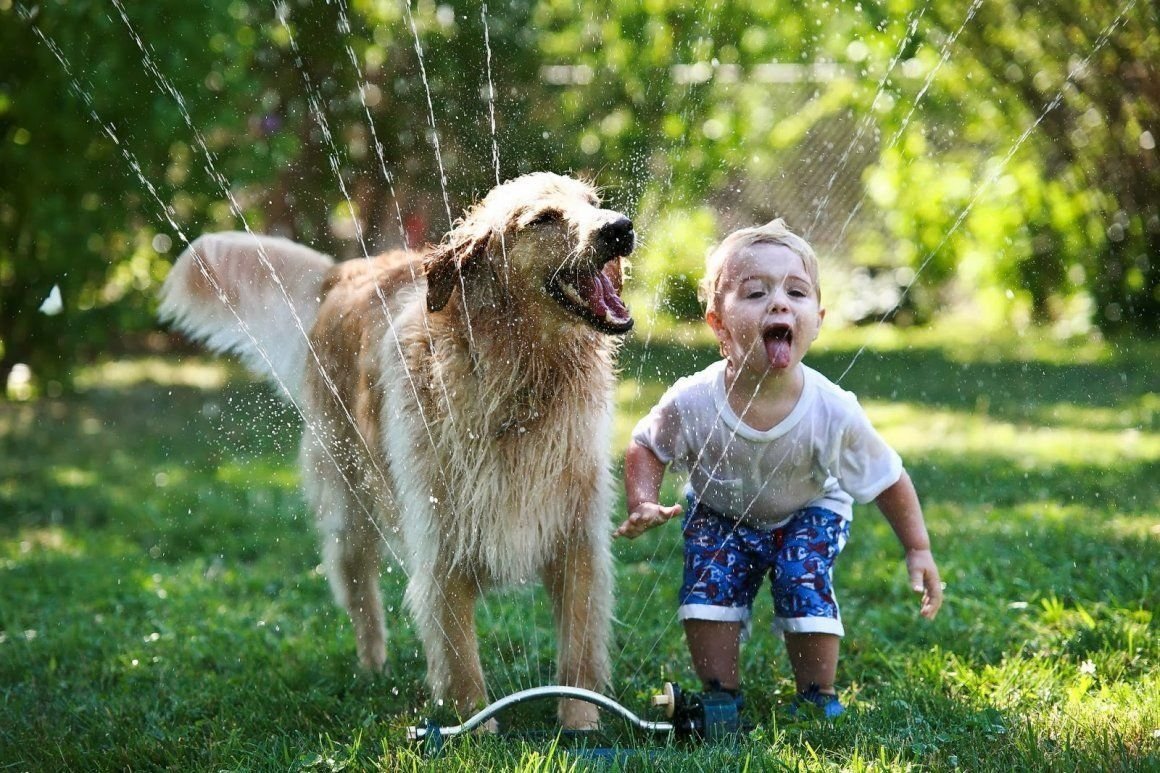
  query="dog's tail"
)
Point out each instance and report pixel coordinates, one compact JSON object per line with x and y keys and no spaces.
{"x":253,"y":296}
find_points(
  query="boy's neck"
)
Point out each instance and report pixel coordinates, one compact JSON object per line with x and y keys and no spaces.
{"x":762,"y":402}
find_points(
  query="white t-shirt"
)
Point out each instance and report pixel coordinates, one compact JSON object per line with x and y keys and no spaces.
{"x":825,"y":453}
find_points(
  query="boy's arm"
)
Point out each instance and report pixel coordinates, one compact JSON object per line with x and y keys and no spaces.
{"x":643,"y":473}
{"x":899,"y":503}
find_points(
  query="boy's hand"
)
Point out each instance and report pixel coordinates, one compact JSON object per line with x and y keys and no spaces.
{"x":644,"y":517}
{"x":924,"y":579}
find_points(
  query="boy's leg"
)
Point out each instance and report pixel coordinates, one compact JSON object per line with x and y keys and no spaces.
{"x":720,"y":583}
{"x":814,"y":659}
{"x":803,"y":596}
{"x":715,"y":648}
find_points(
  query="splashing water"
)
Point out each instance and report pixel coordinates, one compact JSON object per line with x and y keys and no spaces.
{"x":430,"y":113}
{"x":490,"y":94}
{"x":863,"y":126}
{"x":1076,"y":69}
{"x":165,"y":214}
{"x":364,"y":87}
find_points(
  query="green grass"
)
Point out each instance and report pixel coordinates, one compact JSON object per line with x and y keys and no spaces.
{"x":161,"y":604}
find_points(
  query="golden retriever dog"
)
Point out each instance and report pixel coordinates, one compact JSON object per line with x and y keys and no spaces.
{"x":457,"y":409}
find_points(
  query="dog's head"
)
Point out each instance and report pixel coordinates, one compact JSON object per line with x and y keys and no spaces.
{"x":540,"y":235}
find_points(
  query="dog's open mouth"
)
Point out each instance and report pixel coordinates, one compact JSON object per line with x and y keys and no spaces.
{"x":589,"y":293}
{"x":778,"y":341}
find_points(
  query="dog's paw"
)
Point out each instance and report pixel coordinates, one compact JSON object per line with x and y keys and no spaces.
{"x":374,"y":660}
{"x":578,"y":715}
{"x":490,"y":727}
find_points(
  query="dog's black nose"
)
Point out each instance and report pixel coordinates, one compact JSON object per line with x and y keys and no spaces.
{"x":617,"y":236}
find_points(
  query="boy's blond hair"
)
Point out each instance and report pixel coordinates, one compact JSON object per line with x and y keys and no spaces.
{"x":773,"y":232}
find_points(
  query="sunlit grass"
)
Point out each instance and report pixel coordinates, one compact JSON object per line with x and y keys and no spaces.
{"x":190,"y":372}
{"x":963,"y":341}
{"x":915,"y":429}
{"x":161,"y":603}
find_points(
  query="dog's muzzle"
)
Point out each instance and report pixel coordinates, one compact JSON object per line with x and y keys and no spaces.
{"x":616,"y":239}
{"x":587,"y":291}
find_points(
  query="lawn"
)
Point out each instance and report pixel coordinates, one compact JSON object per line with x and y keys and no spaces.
{"x":161,"y":604}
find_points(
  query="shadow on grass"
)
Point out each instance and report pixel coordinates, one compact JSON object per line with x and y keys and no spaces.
{"x":172,"y":468}
{"x":982,"y":479}
{"x":194,"y":493}
{"x":998,"y":566}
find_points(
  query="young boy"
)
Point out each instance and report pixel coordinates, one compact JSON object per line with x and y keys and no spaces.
{"x":776,"y":454}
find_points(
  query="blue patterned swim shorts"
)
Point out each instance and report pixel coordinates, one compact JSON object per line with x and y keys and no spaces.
{"x":726,"y":562}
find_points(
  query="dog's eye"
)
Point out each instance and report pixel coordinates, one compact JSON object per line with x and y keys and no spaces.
{"x":545,"y":217}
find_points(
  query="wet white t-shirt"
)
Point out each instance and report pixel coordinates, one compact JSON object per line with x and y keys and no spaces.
{"x":825,"y":453}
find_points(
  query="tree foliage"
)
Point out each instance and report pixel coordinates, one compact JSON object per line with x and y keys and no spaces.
{"x":1002,"y":151}
{"x":1088,"y":82}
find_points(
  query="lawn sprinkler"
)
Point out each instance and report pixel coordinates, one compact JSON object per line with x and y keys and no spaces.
{"x":711,"y":715}
{"x":706,"y":716}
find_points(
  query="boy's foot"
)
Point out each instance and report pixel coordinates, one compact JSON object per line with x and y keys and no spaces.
{"x":815,"y":701}
{"x":743,"y":726}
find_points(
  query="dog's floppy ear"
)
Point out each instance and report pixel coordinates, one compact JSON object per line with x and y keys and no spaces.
{"x":444,"y":266}
{"x":441,"y":272}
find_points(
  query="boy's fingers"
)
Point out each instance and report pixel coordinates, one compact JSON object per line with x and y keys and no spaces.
{"x":632,"y":528}
{"x":641,"y":521}
{"x":932,"y":598}
{"x":917,"y":577}
{"x":925,"y":580}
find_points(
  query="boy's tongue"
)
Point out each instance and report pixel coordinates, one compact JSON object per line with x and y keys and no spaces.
{"x":777,"y":349}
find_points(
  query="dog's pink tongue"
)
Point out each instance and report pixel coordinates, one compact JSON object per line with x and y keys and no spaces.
{"x":598,"y":292}
{"x":611,"y":299}
{"x":777,"y":350}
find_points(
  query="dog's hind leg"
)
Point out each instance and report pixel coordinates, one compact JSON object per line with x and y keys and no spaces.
{"x":443,"y":605}
{"x":579,"y":581}
{"x":351,"y":554}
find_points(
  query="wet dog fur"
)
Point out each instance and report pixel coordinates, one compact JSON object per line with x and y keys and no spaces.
{"x":457,"y":409}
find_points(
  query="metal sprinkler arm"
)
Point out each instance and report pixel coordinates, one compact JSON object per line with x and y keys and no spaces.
{"x":417,"y":733}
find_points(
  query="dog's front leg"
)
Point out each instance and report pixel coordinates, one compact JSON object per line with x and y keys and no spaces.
{"x":443,"y":604}
{"x":579,"y":581}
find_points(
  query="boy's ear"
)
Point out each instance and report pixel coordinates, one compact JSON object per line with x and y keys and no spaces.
{"x":713,"y":320}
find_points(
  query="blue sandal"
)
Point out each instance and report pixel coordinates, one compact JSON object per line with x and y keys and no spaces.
{"x":813,"y":700}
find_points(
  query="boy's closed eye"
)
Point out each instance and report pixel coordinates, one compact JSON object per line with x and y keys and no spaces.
{"x":752,"y":288}
{"x":755,"y":289}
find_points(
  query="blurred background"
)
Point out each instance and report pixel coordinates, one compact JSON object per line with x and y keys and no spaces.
{"x":990,"y":164}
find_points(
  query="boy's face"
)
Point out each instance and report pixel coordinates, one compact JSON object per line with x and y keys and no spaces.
{"x":768,"y":312}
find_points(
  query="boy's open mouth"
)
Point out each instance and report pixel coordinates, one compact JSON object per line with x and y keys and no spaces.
{"x":778,"y":341}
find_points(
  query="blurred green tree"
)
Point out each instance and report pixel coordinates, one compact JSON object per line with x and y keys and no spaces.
{"x":1031,"y":169}
{"x":1016,"y":169}
{"x":99,"y":166}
